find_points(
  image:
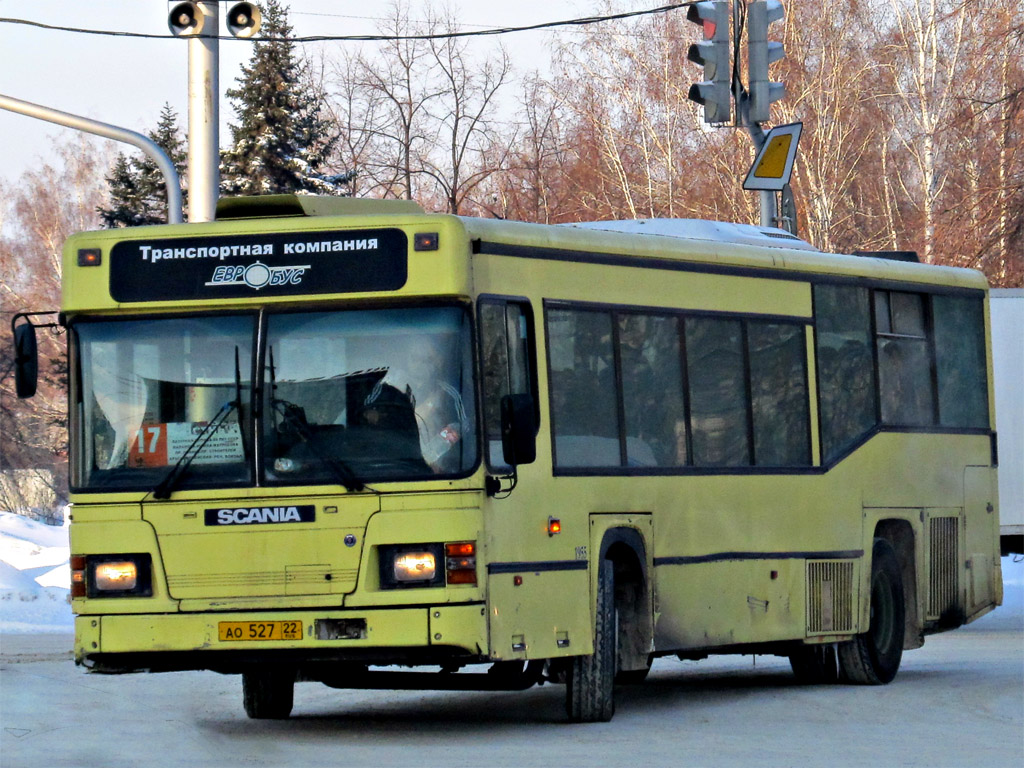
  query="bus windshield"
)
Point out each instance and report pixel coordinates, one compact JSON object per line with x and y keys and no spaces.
{"x":149,"y":392}
{"x":381,"y":393}
{"x":348,"y":396}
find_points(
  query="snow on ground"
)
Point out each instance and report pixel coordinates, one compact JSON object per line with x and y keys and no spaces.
{"x":34,"y":578}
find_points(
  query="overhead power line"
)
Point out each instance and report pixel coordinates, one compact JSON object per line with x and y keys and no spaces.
{"x":365,"y":38}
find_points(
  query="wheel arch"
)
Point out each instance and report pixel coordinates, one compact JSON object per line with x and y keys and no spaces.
{"x":901,"y":535}
{"x":629,"y":554}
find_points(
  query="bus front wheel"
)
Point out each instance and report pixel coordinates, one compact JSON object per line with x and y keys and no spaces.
{"x":590,"y":684}
{"x":873,"y":657}
{"x":268,"y":694}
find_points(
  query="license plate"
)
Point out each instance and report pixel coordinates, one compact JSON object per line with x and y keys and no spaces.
{"x":260,"y":630}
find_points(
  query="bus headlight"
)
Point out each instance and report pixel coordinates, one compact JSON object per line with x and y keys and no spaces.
{"x":427,"y":565}
{"x":411,"y":565}
{"x":119,"y":575}
{"x":415,"y":566}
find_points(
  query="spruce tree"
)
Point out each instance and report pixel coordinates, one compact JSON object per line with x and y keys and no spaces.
{"x":138,"y":190}
{"x":281,"y":143}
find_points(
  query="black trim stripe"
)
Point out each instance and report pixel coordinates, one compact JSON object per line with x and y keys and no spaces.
{"x":747,"y":470}
{"x":657,"y":262}
{"x":845,"y":554}
{"x":536,"y":566}
{"x":683,"y":470}
{"x":652,"y":309}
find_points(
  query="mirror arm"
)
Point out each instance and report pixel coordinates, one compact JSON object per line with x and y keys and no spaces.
{"x":20,"y":315}
{"x":492,"y":484}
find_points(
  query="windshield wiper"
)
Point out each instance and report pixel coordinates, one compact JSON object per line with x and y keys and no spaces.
{"x":289,"y":413}
{"x":165,"y":487}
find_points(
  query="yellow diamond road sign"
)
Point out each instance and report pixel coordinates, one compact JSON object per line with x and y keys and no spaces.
{"x":773,"y":165}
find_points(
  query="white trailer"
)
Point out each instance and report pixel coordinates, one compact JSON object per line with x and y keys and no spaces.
{"x":1007,"y":310}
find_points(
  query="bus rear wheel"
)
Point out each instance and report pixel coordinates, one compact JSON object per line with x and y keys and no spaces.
{"x":873,"y":657}
{"x":268,"y":694}
{"x":590,"y":684}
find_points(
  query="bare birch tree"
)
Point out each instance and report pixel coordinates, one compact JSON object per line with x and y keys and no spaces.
{"x":43,"y":208}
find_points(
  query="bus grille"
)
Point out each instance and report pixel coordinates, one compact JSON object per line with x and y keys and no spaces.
{"x":294,"y":580}
{"x":829,"y":596}
{"x":943,"y":583}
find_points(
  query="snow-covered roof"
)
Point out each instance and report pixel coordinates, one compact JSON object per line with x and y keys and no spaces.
{"x":701,"y":229}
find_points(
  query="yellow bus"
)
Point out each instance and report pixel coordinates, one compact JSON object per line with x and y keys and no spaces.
{"x":318,"y":438}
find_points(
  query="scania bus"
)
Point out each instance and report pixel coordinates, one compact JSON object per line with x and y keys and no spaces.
{"x":317,"y":438}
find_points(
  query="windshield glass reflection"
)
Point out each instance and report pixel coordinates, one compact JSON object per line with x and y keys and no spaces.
{"x":376,"y":394}
{"x":150,"y":387}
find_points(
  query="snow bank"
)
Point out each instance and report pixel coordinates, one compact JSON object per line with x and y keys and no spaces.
{"x":34,"y":576}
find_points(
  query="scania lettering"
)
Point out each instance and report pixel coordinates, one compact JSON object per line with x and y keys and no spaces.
{"x":261,"y":515}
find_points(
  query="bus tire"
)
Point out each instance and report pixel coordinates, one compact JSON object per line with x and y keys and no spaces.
{"x":815,"y":664}
{"x":873,"y":657}
{"x":590,"y":684}
{"x":268,"y":694}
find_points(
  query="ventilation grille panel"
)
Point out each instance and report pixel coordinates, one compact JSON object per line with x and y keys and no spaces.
{"x":829,"y":597}
{"x":943,"y":586}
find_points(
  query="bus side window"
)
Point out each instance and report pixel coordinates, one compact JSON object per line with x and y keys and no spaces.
{"x":652,"y":390}
{"x":778,"y":383}
{"x":584,"y":392}
{"x":718,"y":394}
{"x":904,"y":359}
{"x":960,"y":359}
{"x":506,"y":354}
{"x":846,"y":378}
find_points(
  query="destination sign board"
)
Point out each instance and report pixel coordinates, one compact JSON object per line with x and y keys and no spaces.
{"x":272,"y":264}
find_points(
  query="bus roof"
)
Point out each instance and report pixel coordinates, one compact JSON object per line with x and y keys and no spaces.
{"x":715,"y":244}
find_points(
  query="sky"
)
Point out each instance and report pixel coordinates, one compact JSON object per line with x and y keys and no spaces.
{"x":125,"y":81}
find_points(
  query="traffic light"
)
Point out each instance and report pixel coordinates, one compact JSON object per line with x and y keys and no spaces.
{"x":712,"y":53}
{"x":244,"y":20}
{"x":763,"y":91}
{"x":186,"y":19}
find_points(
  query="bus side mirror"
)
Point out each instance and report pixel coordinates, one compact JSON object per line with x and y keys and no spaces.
{"x":518,"y":430}
{"x":26,"y":360}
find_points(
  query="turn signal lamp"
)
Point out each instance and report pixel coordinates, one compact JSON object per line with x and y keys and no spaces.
{"x":77,"y":576}
{"x":554,"y":526}
{"x":460,"y":562}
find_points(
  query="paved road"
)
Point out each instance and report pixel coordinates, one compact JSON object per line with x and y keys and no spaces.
{"x":959,"y":701}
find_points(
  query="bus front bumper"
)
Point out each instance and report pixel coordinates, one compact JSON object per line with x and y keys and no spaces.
{"x":230,"y":641}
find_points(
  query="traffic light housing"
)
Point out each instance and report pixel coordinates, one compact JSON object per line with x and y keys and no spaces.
{"x":244,"y":19}
{"x":714,"y":92}
{"x":186,"y":19}
{"x":762,"y":52}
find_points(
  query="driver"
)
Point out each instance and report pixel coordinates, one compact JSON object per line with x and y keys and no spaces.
{"x":440,"y":413}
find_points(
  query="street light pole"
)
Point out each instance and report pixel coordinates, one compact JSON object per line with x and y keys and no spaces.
{"x":204,"y":116}
{"x":107,"y":131}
